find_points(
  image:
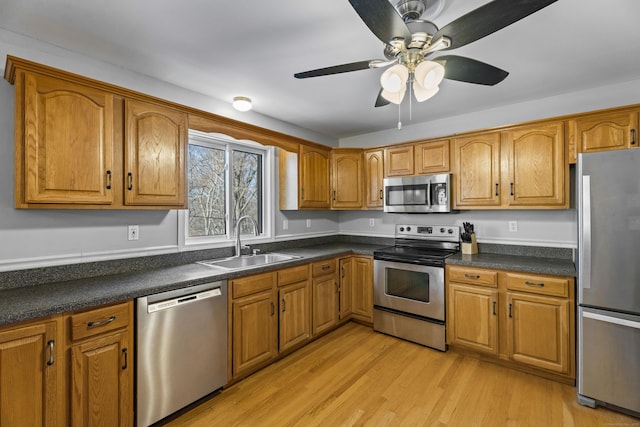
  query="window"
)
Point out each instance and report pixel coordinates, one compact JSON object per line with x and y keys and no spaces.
{"x":226,"y":181}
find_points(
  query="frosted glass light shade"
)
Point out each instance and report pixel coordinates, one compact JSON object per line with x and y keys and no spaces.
{"x":394,"y":97}
{"x":429,"y":74}
{"x":423,"y":94}
{"x":242,"y":103}
{"x":394,"y":79}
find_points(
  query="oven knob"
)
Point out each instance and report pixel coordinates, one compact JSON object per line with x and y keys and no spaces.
{"x":442,"y":230}
{"x":401,"y":228}
{"x":450,"y":231}
{"x":408,"y":228}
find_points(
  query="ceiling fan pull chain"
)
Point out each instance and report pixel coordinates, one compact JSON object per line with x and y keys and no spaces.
{"x":399,"y":122}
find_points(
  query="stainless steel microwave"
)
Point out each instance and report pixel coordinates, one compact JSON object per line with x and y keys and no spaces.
{"x":418,"y":194}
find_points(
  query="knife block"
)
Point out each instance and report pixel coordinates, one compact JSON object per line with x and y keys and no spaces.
{"x":470,"y":248}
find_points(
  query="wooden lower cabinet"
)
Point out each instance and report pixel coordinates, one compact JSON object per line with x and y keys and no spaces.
{"x":295,"y":314}
{"x":362,"y":288}
{"x":325,"y":303}
{"x":345,"y":287}
{"x":30,"y":363}
{"x":522,"y":320}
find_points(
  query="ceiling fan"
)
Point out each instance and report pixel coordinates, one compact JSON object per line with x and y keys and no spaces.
{"x":409,"y":41}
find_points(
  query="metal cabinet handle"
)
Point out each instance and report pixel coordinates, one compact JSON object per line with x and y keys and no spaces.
{"x":633,"y":137}
{"x":337,"y":287}
{"x":284,"y":305}
{"x":381,"y":195}
{"x":512,"y":188}
{"x":302,"y":193}
{"x":101,"y":322}
{"x":496,"y":188}
{"x":273,"y":308}
{"x":494,"y":308}
{"x":334,"y":194}
{"x":124,"y":353}
{"x":326,"y":267}
{"x":109,"y":180}
{"x":51,"y":344}
{"x":130,"y":177}
{"x":342,"y":275}
{"x":510,"y":313}
{"x":471,"y":276}
{"x":539,"y":285}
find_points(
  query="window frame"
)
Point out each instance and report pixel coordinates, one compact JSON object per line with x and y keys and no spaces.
{"x":229,"y":144}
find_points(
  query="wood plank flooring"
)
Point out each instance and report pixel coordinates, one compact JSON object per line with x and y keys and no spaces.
{"x":357,"y":377}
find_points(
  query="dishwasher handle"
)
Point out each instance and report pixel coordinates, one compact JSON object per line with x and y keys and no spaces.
{"x":183,"y":299}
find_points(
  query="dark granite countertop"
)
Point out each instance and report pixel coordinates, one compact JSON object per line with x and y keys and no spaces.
{"x":23,"y":303}
{"x":528,"y":264}
{"x":31,"y":302}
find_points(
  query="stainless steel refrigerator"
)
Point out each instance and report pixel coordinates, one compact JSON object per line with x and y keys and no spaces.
{"x":608,"y":185}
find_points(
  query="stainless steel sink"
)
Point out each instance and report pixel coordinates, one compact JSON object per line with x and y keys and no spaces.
{"x":248,"y":261}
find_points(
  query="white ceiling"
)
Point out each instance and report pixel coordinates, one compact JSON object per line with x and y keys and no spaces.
{"x":253,"y":48}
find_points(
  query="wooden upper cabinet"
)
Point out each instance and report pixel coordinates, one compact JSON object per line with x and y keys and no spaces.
{"x":346,"y":179}
{"x":398,"y":161}
{"x":314,"y":177}
{"x":537,"y":169}
{"x":373,"y":178}
{"x":64,"y":142}
{"x":432,"y":157}
{"x":156,"y":138}
{"x":477,"y":170}
{"x":605,"y":131}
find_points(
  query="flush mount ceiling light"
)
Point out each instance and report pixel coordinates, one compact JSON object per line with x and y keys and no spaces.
{"x":242,"y":103}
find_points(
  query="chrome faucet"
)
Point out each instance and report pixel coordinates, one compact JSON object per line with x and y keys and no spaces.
{"x":255,"y":232}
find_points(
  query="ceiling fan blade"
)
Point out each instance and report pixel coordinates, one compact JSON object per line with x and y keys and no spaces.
{"x":336,"y":69}
{"x":471,"y":71}
{"x":488,"y":19}
{"x":381,"y":101}
{"x":382,"y":19}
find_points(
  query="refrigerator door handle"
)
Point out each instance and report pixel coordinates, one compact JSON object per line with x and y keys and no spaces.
{"x":609,"y":319}
{"x":585,"y":231}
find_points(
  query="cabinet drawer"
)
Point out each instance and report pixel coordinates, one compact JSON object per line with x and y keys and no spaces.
{"x":98,"y":321}
{"x":252,"y":284}
{"x":321,"y":268}
{"x":473,"y":276}
{"x":544,"y":285}
{"x":293,"y":275}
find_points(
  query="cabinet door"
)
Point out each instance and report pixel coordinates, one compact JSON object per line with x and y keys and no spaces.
{"x":477,"y":170}
{"x":325,"y":303}
{"x":432,"y":157}
{"x":607,"y":131}
{"x":28,"y":371}
{"x":538,"y":331}
{"x":295,"y":314}
{"x":102,"y":382}
{"x":362,"y":289}
{"x":346,"y":287}
{"x":68,"y":143}
{"x":398,"y":161}
{"x":314,"y":178}
{"x":374,"y":175}
{"x":472,"y":318}
{"x":254,"y":331}
{"x":346,"y":175}
{"x":538,"y":171}
{"x":156,"y":138}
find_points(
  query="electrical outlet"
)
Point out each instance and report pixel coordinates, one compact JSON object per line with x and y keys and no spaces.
{"x":513,"y":226}
{"x":134,"y":232}
{"x":308,"y":223}
{"x":285,"y":224}
{"x":372,"y":222}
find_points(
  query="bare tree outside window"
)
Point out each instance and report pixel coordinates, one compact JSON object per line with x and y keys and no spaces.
{"x":208,"y":189}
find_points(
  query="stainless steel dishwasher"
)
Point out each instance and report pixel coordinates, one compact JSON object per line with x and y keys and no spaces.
{"x":181,"y":349}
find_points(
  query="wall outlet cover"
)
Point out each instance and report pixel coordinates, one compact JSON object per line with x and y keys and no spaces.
{"x":134,"y":232}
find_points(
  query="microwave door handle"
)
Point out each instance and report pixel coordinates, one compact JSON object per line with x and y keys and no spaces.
{"x":429,"y":193}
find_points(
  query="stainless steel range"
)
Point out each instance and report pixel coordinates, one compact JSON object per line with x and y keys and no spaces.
{"x":408,"y":283}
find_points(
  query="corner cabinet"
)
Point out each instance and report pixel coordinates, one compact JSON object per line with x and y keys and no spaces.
{"x":314,"y":178}
{"x":83,"y":144}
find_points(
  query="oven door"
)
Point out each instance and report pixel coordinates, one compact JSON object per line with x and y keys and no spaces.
{"x":409,"y":288}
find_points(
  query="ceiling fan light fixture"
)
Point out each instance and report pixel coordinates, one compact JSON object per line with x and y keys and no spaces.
{"x":423,"y":94}
{"x":394,"y":97}
{"x":242,"y":103}
{"x":394,"y":79}
{"x":429,"y":74}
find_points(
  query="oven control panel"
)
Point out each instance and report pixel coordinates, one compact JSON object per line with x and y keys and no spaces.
{"x":449,"y":233}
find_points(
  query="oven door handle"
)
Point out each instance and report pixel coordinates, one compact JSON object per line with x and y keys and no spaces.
{"x":433,"y":263}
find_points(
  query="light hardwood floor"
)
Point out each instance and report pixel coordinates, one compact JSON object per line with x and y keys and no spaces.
{"x":356,"y":377}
